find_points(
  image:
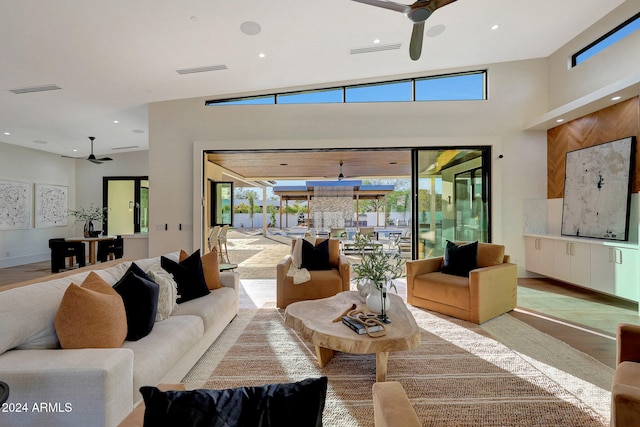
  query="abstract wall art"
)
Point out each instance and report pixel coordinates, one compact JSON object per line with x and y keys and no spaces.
{"x":597,"y":190}
{"x":15,"y":205}
{"x":51,"y":205}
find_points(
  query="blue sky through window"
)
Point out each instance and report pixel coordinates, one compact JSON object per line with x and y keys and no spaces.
{"x":617,"y":35}
{"x":454,"y":87}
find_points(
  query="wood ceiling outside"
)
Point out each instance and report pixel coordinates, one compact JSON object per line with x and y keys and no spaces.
{"x":315,"y":164}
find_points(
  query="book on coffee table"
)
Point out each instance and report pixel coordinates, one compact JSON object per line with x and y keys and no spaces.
{"x":358,"y":327}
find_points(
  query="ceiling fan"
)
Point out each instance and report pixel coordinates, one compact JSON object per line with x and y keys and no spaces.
{"x":92,"y":158}
{"x":341,"y":176}
{"x":417,"y":12}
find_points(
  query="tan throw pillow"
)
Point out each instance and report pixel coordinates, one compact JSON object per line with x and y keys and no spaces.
{"x":91,"y":316}
{"x":211,"y":268}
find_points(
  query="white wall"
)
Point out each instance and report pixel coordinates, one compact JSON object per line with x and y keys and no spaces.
{"x":22,"y":164}
{"x":84,"y":180}
{"x":618,"y":65}
{"x":180,"y":130}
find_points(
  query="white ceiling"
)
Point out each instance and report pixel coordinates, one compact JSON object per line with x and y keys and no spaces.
{"x":111,"y":58}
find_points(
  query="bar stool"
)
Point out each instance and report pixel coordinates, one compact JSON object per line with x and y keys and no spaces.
{"x":112,"y":249}
{"x":61,"y":250}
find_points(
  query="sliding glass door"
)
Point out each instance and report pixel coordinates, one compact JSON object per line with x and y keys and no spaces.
{"x":127,"y":203}
{"x":452,"y":198}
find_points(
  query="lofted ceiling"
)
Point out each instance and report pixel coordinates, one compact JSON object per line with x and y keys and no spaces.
{"x":110,"y":59}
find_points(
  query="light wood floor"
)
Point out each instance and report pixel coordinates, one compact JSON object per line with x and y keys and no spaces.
{"x":583,"y":319}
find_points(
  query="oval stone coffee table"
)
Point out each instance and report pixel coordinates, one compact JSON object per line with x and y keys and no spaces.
{"x":314,"y":321}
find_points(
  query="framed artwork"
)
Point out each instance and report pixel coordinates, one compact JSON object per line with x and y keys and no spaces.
{"x":51,"y":205}
{"x":597,"y":190}
{"x":15,"y":205}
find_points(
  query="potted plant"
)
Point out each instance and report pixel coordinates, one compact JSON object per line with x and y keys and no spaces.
{"x":375,"y":273}
{"x":88,"y":215}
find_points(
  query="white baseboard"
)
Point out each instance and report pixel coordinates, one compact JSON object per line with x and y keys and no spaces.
{"x":22,"y":260}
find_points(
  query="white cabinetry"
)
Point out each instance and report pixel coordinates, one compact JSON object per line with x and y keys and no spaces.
{"x":599,"y":265}
{"x":571,"y":262}
{"x":614,"y":270}
{"x":539,"y":255}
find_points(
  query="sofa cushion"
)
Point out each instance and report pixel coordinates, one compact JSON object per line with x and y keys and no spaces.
{"x":490,"y":254}
{"x":315,"y":257}
{"x":210,"y":308}
{"x":163,"y":348}
{"x":460,"y":259}
{"x":448,"y":289}
{"x":91,"y":315}
{"x":297,"y":404}
{"x":189,"y":276}
{"x":140,"y":296}
{"x":168,"y":292}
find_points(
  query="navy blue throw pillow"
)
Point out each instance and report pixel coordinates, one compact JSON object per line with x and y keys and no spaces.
{"x":188,"y":275}
{"x":297,"y":404}
{"x":460,"y":259}
{"x":140,"y":297}
{"x":315,"y":257}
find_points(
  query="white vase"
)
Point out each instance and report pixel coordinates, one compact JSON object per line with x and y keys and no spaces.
{"x":364,"y":288}
{"x":374,"y":301}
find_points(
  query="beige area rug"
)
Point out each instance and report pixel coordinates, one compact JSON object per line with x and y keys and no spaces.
{"x":459,"y":376}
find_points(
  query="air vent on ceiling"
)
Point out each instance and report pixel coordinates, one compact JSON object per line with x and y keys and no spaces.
{"x":31,"y":89}
{"x":376,"y":48}
{"x":201,"y":69}
{"x":125,"y":148}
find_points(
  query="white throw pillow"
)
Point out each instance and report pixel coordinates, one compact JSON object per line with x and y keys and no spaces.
{"x":168,"y":292}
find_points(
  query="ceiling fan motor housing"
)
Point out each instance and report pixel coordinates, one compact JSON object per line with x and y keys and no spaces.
{"x":419,"y":15}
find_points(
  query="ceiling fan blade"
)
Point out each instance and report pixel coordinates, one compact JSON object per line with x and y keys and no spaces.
{"x":105,"y":159}
{"x":415,"y":47}
{"x":402,"y":8}
{"x":96,"y":161}
{"x":441,"y":3}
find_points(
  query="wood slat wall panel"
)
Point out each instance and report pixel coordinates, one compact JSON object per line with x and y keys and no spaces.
{"x":615,"y":122}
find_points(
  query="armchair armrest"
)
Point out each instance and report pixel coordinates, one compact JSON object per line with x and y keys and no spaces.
{"x":281,"y":277}
{"x":418,"y":268}
{"x":627,"y":343}
{"x":493,"y":291}
{"x":625,"y":405}
{"x":344,"y":269}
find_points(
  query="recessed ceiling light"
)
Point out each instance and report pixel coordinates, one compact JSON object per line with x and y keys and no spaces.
{"x":616,"y":98}
{"x":75,"y":150}
{"x":284,"y":164}
{"x":39,"y":141}
{"x":261,"y":55}
{"x":116,"y":121}
{"x":376,"y":41}
{"x":559,"y":120}
{"x":393,"y":163}
{"x":250,"y":28}
{"x":7,"y":133}
{"x":495,"y":27}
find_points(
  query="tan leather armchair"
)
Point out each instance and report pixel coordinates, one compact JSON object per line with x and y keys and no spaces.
{"x":490,"y":289}
{"x":625,"y":389}
{"x":323,"y":283}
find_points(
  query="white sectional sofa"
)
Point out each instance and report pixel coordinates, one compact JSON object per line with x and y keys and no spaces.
{"x":53,"y":387}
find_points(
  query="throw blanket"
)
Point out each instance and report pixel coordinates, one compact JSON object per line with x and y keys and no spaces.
{"x":299,"y":274}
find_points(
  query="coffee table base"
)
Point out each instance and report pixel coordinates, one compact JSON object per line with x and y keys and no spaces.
{"x":326,"y":354}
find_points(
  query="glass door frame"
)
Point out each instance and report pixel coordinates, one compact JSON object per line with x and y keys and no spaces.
{"x":415,"y":177}
{"x":137,"y":199}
